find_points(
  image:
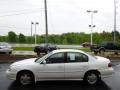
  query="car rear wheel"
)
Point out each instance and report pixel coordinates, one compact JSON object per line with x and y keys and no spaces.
{"x":102,"y":51}
{"x":91,"y":78}
{"x":116,"y":53}
{"x":25,"y":78}
{"x":38,"y":53}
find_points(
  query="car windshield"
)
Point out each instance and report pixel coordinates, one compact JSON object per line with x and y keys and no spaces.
{"x":38,"y":60}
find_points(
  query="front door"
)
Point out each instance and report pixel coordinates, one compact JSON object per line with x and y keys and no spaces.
{"x":54,"y":67}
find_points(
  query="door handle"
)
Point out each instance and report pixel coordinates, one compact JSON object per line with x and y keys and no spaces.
{"x":84,"y":66}
{"x":59,"y":66}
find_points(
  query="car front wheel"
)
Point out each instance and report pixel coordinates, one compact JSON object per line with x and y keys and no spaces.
{"x":25,"y":78}
{"x":8,"y":53}
{"x":92,"y":78}
{"x":95,"y":52}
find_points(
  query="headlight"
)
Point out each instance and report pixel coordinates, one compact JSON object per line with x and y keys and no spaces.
{"x":9,"y":69}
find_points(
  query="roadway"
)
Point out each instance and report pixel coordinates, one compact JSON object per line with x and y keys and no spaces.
{"x":111,"y":83}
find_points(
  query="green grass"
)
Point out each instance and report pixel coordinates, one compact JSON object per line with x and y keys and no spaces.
{"x":32,"y":48}
{"x":23,"y":48}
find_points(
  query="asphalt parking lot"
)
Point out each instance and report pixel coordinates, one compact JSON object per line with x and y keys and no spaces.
{"x":111,"y":83}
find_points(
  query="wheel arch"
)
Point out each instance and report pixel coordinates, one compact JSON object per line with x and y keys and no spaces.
{"x":102,"y":48}
{"x":95,"y":71}
{"x":25,"y":70}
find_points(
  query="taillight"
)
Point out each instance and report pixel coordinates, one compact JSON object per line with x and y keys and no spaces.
{"x":109,"y":64}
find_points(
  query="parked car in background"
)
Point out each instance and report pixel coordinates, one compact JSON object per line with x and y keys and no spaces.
{"x":5,"y":48}
{"x":86,"y":44}
{"x":44,"y":48}
{"x":61,"y":64}
{"x":106,"y":47}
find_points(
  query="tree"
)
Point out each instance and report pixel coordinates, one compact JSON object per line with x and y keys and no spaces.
{"x":65,"y":38}
{"x":12,"y":37}
{"x":3,"y":39}
{"x":117,"y":35}
{"x":64,"y":41}
{"x":22,"y":38}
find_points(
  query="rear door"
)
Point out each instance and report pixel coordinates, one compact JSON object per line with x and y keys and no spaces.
{"x":76,"y":66}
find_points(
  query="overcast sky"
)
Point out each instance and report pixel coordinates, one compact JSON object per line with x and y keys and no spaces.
{"x":63,"y":16}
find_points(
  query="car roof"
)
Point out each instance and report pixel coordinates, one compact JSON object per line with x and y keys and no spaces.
{"x":68,"y":50}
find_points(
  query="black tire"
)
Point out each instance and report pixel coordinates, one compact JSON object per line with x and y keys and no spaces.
{"x":38,"y":53}
{"x":10,"y":53}
{"x":102,"y":51}
{"x":92,"y":78}
{"x":48,"y":51}
{"x":116,"y":53}
{"x":25,"y":78}
{"x":95,"y":52}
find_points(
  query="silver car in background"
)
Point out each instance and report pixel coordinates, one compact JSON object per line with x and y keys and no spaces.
{"x":5,"y":48}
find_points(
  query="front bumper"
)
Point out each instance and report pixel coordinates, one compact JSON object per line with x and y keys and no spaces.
{"x":11,"y":75}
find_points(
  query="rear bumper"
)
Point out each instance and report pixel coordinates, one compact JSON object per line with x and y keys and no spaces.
{"x":107,"y":72}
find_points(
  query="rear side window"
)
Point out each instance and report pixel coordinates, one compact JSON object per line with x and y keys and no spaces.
{"x":76,"y":57}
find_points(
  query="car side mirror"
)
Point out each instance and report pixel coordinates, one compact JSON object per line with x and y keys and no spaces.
{"x":44,"y":62}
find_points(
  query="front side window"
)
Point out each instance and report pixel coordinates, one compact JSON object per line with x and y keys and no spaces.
{"x":55,"y":58}
{"x":76,"y":57}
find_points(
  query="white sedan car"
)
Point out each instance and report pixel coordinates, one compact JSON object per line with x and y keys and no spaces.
{"x":64,"y":64}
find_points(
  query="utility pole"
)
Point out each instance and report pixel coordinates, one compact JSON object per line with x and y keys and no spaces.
{"x":114,"y":21}
{"x":92,"y":26}
{"x":35,"y":33}
{"x":31,"y":31}
{"x":46,"y":22}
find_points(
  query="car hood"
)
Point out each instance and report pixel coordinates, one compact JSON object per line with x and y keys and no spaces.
{"x":24,"y":62}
